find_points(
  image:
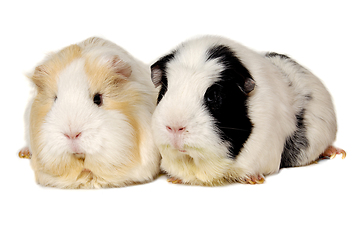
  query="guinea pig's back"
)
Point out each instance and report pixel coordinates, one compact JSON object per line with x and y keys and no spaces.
{"x":315,"y":116}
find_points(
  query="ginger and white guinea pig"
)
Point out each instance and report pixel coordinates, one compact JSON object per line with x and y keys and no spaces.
{"x":89,"y":123}
{"x":228,"y":114}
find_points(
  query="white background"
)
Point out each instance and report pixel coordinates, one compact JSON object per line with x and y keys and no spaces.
{"x":320,"y":201}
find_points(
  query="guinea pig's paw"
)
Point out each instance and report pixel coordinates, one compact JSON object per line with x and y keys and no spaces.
{"x":332,"y":151}
{"x":25,"y":153}
{"x":174,"y":180}
{"x":253,"y":179}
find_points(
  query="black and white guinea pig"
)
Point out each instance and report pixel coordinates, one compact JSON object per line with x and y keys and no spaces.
{"x":89,"y":124}
{"x":228,"y":114}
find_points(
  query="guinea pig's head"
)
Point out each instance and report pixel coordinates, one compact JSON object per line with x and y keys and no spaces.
{"x":83,"y":110}
{"x":202,"y":102}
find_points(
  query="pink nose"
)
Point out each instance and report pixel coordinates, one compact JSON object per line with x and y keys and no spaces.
{"x":72,"y":135}
{"x":175,"y":129}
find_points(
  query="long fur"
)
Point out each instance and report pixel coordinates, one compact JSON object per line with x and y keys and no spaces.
{"x":76,"y":143}
{"x":289,"y":108}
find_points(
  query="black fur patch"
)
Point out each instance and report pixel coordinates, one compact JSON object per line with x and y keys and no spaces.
{"x":308,"y":97}
{"x":283,"y":57}
{"x":295,"y":143}
{"x":274,"y":54}
{"x":161,"y":65}
{"x":227,"y":101}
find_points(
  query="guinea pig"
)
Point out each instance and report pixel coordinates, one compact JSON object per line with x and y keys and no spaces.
{"x":89,"y":122}
{"x":228,"y":114}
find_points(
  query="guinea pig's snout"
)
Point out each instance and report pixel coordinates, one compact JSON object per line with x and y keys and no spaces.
{"x":72,"y":135}
{"x":74,"y":143}
{"x":175,"y":130}
{"x":176,"y":136}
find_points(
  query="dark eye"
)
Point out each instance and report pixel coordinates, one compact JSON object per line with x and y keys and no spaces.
{"x":213,"y":97}
{"x":98,"y":99}
{"x":55,"y":98}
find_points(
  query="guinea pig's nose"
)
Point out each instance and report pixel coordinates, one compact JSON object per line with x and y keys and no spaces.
{"x":72,"y":135}
{"x":175,"y":129}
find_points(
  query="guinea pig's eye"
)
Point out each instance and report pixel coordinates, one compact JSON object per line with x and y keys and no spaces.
{"x":98,"y":99}
{"x":55,"y":98}
{"x":213,"y":97}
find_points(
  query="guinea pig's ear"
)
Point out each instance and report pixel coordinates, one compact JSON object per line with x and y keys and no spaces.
{"x":120,"y":67}
{"x":158,"y":69}
{"x":39,"y":76}
{"x":249,"y":85}
{"x":156,"y":74}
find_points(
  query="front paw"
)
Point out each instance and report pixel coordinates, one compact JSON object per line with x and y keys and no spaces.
{"x":25,"y":153}
{"x":253,"y":179}
{"x":174,"y":180}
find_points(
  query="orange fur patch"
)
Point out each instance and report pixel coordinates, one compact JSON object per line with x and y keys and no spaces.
{"x":45,"y":75}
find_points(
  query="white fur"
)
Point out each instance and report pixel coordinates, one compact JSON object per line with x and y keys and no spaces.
{"x":272,"y":108}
